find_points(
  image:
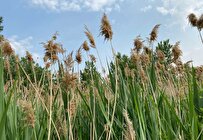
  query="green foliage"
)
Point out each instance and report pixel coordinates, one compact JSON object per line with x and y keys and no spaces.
{"x":166,"y":48}
{"x":1,"y":27}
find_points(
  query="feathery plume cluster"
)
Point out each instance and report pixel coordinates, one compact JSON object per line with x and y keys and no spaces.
{"x":160,"y":55}
{"x":138,"y":44}
{"x":200,"y":22}
{"x":52,"y":50}
{"x":105,"y":28}
{"x":78,"y":56}
{"x":129,"y":132}
{"x":72,"y":108}
{"x":154,"y":33}
{"x":69,"y":62}
{"x":147,"y":50}
{"x":29,"y":56}
{"x":145,"y":59}
{"x":193,"y":19}
{"x":69,"y":80}
{"x":199,"y":73}
{"x":176,"y":51}
{"x":85,"y":46}
{"x":135,"y":57}
{"x":29,"y":112}
{"x":7,"y":49}
{"x":90,"y":37}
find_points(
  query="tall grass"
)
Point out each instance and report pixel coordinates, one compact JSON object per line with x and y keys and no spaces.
{"x":143,"y":97}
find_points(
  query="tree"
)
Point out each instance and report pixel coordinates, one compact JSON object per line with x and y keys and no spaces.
{"x":1,"y":27}
{"x":166,"y":48}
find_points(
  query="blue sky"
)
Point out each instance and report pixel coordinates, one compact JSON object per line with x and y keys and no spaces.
{"x":27,"y":23}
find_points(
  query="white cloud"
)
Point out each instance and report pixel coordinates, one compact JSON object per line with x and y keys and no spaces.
{"x":146,"y":8}
{"x":179,"y":9}
{"x":75,"y":5}
{"x":193,"y":54}
{"x":165,"y":11}
{"x":20,"y":46}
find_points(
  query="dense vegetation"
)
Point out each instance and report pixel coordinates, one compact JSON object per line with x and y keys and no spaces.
{"x":149,"y":95}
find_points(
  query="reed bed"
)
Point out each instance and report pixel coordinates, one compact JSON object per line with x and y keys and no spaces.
{"x":149,"y":95}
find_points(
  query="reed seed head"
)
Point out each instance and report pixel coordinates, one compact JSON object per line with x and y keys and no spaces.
{"x":69,"y":80}
{"x":69,"y":61}
{"x":85,"y":46}
{"x":7,"y":49}
{"x":52,"y":49}
{"x":176,"y":51}
{"x":78,"y":56}
{"x":147,"y":51}
{"x":192,"y":19}
{"x":145,"y":59}
{"x":200,"y":22}
{"x":154,"y":33}
{"x":129,"y":132}
{"x":29,"y":56}
{"x":135,"y":57}
{"x":29,"y":112}
{"x":138,"y":44}
{"x":90,"y":37}
{"x":105,"y":28}
{"x":160,"y":55}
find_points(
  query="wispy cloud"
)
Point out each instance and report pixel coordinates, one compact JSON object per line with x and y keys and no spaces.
{"x":179,"y":9}
{"x":193,"y":54}
{"x":76,"y":5}
{"x":20,"y":46}
{"x":146,"y":8}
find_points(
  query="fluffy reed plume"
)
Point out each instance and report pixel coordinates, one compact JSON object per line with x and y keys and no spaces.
{"x":200,"y":22}
{"x":176,"y":51}
{"x":147,"y":50}
{"x":129,"y":132}
{"x":52,"y":49}
{"x":199,"y":73}
{"x":90,"y":37}
{"x":93,"y":58}
{"x":135,"y":57}
{"x":72,"y":108}
{"x":85,"y":46}
{"x":6,"y":65}
{"x":29,"y":112}
{"x":69,"y":62}
{"x":78,"y":56}
{"x":127,"y":71}
{"x":17,"y":62}
{"x":143,"y":75}
{"x":159,"y":66}
{"x":29,"y":56}
{"x":7,"y":49}
{"x":69,"y":80}
{"x":160,"y":55}
{"x":145,"y":60}
{"x":154,"y":33}
{"x":61,"y":126}
{"x":138,"y":44}
{"x":47,"y":65}
{"x":192,"y":19}
{"x":105,"y":28}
